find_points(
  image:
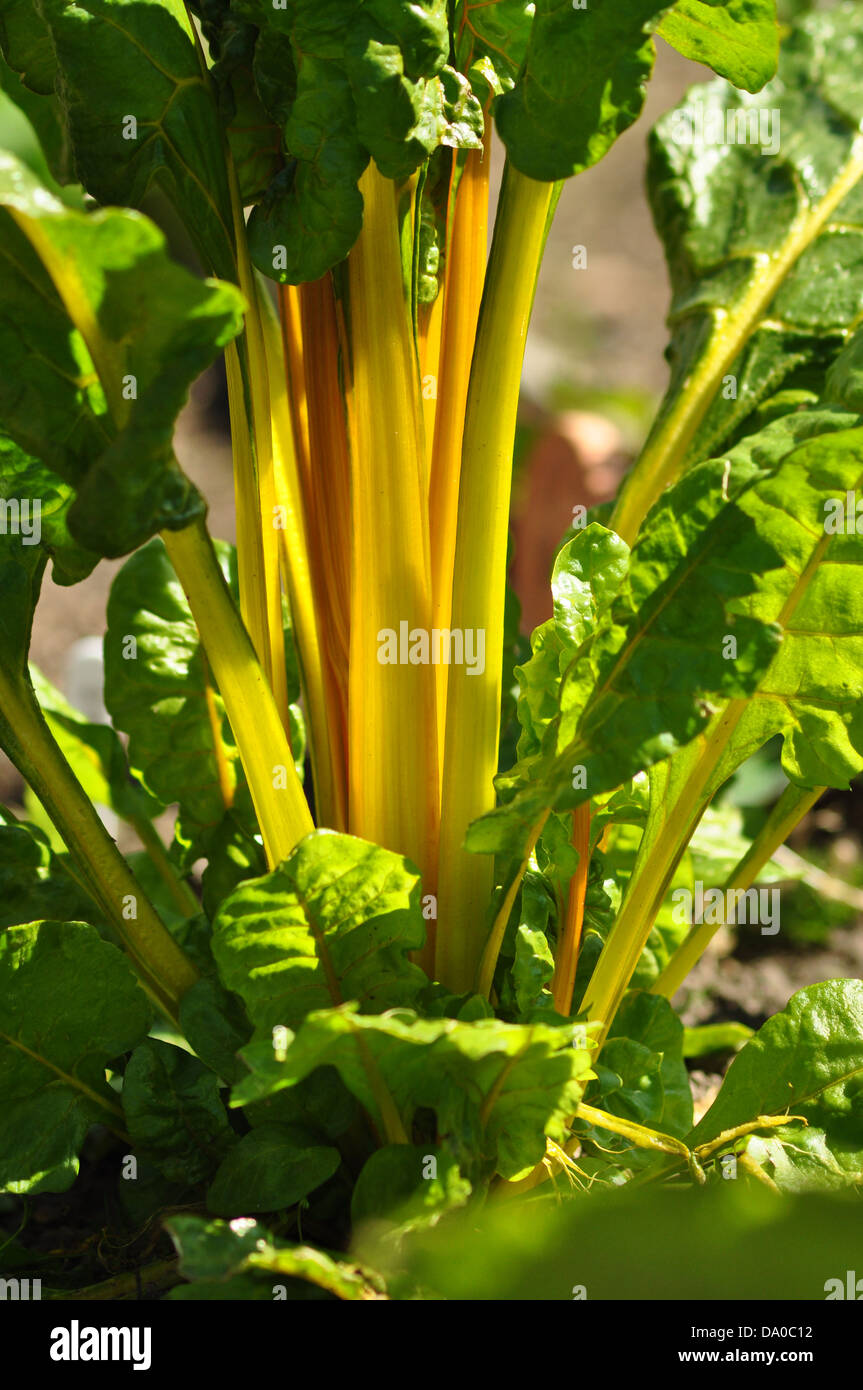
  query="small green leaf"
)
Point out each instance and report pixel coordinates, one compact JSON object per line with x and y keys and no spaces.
{"x":216,"y":1250}
{"x":409,"y":1185}
{"x":69,"y":1005}
{"x":159,"y":690}
{"x":739,"y":39}
{"x":215,"y":1025}
{"x":272,"y":1167}
{"x":35,"y":883}
{"x":174,"y":1113}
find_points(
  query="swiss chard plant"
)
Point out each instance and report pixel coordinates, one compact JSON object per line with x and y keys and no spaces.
{"x":379,"y":970}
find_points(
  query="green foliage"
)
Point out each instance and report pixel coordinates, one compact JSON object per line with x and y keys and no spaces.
{"x":69,"y":1005}
{"x":270,"y":1168}
{"x":334,"y":922}
{"x":739,"y":39}
{"x":408,"y":1133}
{"x":805,"y":1062}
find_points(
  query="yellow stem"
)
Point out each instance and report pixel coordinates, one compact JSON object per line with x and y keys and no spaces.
{"x":392,"y":727}
{"x":465,"y":881}
{"x":461,"y":296}
{"x":277,"y":792}
{"x":295,"y":535}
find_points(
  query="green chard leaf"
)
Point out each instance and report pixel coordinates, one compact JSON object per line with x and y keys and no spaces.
{"x":759,"y":204}
{"x":112,"y":334}
{"x":174,"y":1112}
{"x":148,"y":118}
{"x":491,"y":41}
{"x":582,"y":85}
{"x":643,"y":1053}
{"x":407,"y":1185}
{"x":95,"y":754}
{"x":653,"y":671}
{"x":334,"y":922}
{"x":272,"y":1167}
{"x":35,"y":883}
{"x":497,"y":1088}
{"x":806,"y":1062}
{"x":348,"y":82}
{"x":810,"y":692}
{"x":243,"y":1257}
{"x":69,"y":1005}
{"x":739,"y":39}
{"x":159,"y":690}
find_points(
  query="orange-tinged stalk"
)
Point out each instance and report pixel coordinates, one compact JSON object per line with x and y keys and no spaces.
{"x":296,"y":540}
{"x":566,"y":960}
{"x":292,"y":346}
{"x":392,"y":722}
{"x":464,"y":276}
{"x":330,"y":480}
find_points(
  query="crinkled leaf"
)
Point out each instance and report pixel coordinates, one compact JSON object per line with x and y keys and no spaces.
{"x":270,"y":1168}
{"x":588,"y":571}
{"x":724,"y":206}
{"x":582,"y":85}
{"x":334,"y":922}
{"x":312,"y":212}
{"x":174,"y":1113}
{"x":497,"y":1088}
{"x":739,"y":39}
{"x":811,"y":690}
{"x":138,"y":58}
{"x":69,"y":1004}
{"x":491,"y":41}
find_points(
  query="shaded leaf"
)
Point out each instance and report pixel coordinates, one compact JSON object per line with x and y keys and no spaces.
{"x":173,"y":1111}
{"x":216,"y":1250}
{"x":69,"y":1004}
{"x":270,"y":1168}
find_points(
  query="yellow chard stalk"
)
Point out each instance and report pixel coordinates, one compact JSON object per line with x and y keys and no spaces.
{"x":465,"y":881}
{"x":392,"y":743}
